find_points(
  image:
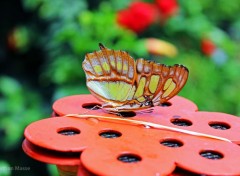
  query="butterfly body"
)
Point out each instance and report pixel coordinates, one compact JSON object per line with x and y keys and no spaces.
{"x":123,"y":84}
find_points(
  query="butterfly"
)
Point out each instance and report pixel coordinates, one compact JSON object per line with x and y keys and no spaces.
{"x":123,"y":84}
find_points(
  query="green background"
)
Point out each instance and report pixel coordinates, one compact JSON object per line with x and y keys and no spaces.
{"x":43,"y":43}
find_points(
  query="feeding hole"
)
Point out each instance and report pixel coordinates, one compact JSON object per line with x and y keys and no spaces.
{"x":181,"y":122}
{"x":68,"y":131}
{"x":129,"y":158}
{"x":92,"y":106}
{"x":219,"y":125}
{"x":126,"y":114}
{"x":210,"y":154}
{"x":110,"y":134}
{"x":171,"y":143}
{"x":165,"y":104}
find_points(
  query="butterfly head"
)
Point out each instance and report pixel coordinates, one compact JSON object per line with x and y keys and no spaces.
{"x":147,"y":103}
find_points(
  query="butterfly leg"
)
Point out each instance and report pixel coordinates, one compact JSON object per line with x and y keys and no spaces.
{"x":146,"y":111}
{"x":93,"y":108}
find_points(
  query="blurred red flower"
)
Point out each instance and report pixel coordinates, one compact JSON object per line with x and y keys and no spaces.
{"x":167,"y":8}
{"x":207,"y":47}
{"x":137,"y":17}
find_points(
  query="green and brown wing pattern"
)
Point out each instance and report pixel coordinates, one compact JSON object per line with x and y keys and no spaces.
{"x":116,"y":79}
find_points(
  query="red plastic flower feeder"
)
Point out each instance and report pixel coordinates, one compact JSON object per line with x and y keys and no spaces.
{"x":174,"y":139}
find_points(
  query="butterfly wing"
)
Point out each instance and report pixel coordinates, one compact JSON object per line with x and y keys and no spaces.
{"x":110,"y":75}
{"x":160,"y":82}
{"x":122,"y":84}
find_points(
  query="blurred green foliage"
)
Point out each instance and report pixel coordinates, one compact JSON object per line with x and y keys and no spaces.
{"x":19,"y":107}
{"x":4,"y":171}
{"x":73,"y":28}
{"x":76,"y":29}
